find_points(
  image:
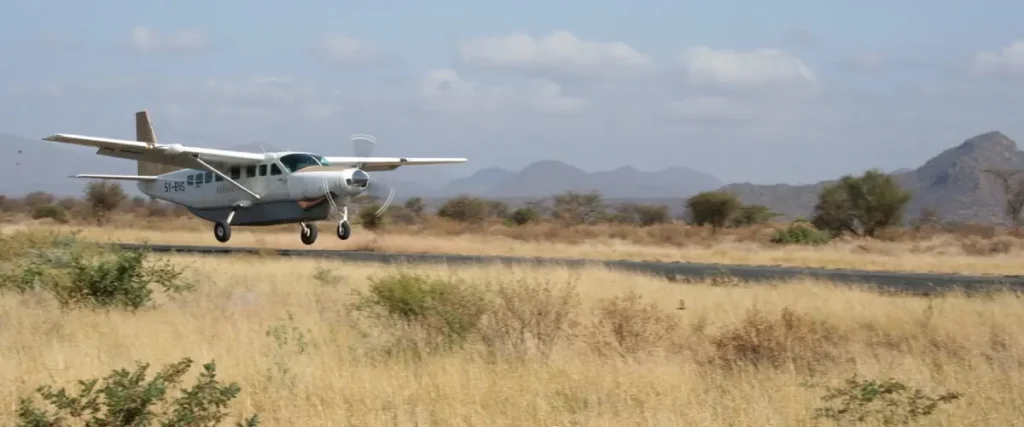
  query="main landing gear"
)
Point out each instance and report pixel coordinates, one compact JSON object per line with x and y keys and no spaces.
{"x":308,"y":233}
{"x":222,"y":229}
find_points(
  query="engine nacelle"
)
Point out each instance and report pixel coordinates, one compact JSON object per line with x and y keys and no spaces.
{"x":313,"y":184}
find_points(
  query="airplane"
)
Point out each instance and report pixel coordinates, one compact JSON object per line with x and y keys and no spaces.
{"x":240,"y":188}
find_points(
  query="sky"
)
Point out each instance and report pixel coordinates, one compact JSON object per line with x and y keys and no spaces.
{"x":790,"y":91}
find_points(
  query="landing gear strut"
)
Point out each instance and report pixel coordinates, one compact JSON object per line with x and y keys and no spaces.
{"x":222,"y":229}
{"x":308,"y":233}
{"x":344,"y":231}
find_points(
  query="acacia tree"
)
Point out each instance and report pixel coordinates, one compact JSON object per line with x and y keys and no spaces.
{"x":715,"y":208}
{"x":1013,"y":190}
{"x":860,"y":205}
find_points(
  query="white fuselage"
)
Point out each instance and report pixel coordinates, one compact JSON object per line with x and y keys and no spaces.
{"x":273,"y":180}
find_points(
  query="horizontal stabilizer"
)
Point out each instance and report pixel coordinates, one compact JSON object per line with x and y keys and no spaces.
{"x":116,"y":177}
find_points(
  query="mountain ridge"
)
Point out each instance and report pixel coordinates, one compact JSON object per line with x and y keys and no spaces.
{"x":953,"y":182}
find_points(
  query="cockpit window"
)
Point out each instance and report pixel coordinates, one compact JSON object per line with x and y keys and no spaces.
{"x":297,"y":162}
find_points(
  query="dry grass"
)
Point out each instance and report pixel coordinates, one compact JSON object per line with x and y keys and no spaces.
{"x":935,"y":252}
{"x":737,"y":356}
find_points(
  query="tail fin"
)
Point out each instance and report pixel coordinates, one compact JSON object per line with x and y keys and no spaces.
{"x":144,"y":133}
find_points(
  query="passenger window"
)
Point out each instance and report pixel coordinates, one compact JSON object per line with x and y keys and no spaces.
{"x":250,"y":171}
{"x":263,"y":170}
{"x":274,"y":169}
{"x":218,"y":178}
{"x":208,"y":178}
{"x":236,"y":172}
{"x":188,"y":180}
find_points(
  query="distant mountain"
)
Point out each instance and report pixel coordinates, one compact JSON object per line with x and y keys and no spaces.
{"x":952,"y":183}
{"x":479,"y":182}
{"x":549,"y":177}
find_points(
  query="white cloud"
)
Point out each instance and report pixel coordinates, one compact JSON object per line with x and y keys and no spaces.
{"x":1009,"y":61}
{"x":560,"y":52}
{"x":446,"y":90}
{"x":344,"y":50}
{"x":745,"y":70}
{"x":257,"y":96}
{"x":143,"y":40}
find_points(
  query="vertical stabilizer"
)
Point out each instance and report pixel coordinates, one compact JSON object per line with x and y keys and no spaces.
{"x":144,"y":133}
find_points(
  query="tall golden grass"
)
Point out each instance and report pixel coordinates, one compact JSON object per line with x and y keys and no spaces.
{"x":976,"y":251}
{"x":737,"y":356}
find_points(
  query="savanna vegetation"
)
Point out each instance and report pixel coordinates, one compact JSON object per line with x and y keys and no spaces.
{"x":858,"y":222}
{"x":97,"y":336}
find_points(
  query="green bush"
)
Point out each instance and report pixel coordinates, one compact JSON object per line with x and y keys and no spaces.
{"x":83,"y":276}
{"x":800,"y":234}
{"x":886,"y":403}
{"x":54,"y":212}
{"x":124,"y":398}
{"x":529,"y":317}
{"x":523,"y":216}
{"x":465,"y":209}
{"x":437,"y":313}
{"x":368,"y":218}
{"x":714,"y":208}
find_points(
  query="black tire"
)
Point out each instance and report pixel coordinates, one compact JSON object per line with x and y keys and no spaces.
{"x":222,"y":231}
{"x":344,"y":231}
{"x":308,"y":236}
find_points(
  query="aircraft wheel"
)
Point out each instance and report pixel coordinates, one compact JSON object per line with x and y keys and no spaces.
{"x":308,"y":234}
{"x":344,"y":230}
{"x":222,"y":231}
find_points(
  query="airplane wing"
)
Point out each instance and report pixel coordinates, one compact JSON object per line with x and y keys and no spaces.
{"x":371,"y":164}
{"x":168,"y":154}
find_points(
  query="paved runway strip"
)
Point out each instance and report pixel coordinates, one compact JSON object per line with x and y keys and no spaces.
{"x":917,"y":283}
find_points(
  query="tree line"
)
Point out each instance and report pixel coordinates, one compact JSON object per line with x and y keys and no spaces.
{"x":858,"y":205}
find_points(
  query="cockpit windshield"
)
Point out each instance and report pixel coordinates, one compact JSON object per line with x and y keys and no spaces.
{"x":298,"y":161}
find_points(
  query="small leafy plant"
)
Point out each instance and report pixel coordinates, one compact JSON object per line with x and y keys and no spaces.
{"x":888,"y":403}
{"x":128,"y":398}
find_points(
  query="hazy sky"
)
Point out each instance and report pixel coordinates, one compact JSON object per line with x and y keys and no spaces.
{"x":759,"y":91}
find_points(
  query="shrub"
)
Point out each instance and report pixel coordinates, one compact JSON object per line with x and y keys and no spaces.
{"x":438,"y":313}
{"x":368,"y":218}
{"x":416,"y":206}
{"x":791,"y":339}
{"x":529,"y":317}
{"x":124,"y":398}
{"x":886,"y":403}
{"x":80,"y":276}
{"x":103,"y":197}
{"x":626,"y":326}
{"x":55,"y":212}
{"x":523,"y":216}
{"x":800,"y":233}
{"x":748,"y":215}
{"x":464,"y":209}
{"x":573,"y":208}
{"x":861,"y":205}
{"x":714,"y":208}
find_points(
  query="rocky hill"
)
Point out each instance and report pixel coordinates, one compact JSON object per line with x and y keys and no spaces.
{"x":953,"y":183}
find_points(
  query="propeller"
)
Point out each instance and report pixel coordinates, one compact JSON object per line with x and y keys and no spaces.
{"x":362,"y":146}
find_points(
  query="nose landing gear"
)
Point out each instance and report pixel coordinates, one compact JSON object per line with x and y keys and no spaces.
{"x":344,"y":231}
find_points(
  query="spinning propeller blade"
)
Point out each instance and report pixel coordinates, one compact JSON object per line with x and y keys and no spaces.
{"x":378,"y":189}
{"x":363,"y":144}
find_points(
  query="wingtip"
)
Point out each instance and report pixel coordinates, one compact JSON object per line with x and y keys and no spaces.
{"x":52,"y":138}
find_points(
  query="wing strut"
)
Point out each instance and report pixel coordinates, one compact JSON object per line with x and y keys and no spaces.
{"x":226,"y":178}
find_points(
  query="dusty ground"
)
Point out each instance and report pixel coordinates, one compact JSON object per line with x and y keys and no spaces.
{"x":973,"y":346}
{"x":936,"y":253}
